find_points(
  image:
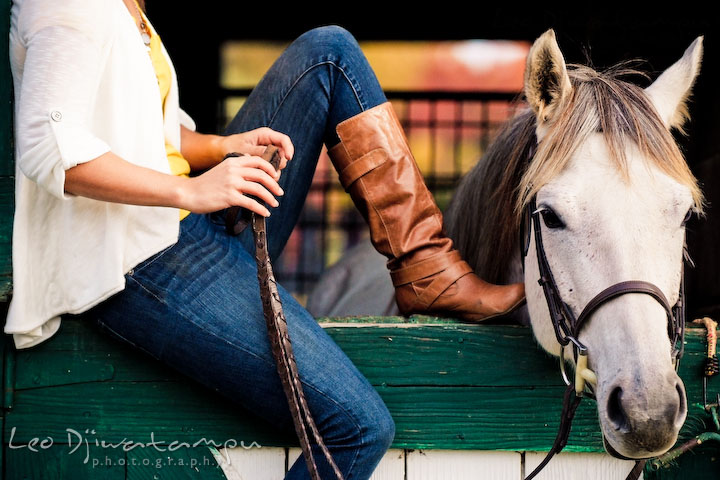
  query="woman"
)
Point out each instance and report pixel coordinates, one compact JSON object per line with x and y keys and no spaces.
{"x":110,"y":225}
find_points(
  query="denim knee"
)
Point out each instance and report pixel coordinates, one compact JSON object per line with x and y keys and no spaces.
{"x":384,"y":429}
{"x":377,"y":424}
{"x":328,"y":40}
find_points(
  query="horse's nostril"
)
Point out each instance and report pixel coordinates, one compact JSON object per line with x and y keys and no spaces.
{"x":615,"y":411}
{"x":682,"y":405}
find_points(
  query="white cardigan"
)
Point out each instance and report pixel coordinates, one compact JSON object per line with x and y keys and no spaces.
{"x":84,"y":85}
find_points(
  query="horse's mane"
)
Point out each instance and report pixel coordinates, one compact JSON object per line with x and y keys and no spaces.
{"x":484,"y":214}
{"x":480,"y":217}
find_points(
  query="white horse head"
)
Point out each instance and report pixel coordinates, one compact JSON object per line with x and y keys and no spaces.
{"x":615,"y":194}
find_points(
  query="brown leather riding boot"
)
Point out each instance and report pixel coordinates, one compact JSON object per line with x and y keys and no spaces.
{"x":377,"y":168}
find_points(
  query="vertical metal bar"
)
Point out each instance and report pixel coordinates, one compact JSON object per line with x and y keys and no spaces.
{"x":431,"y":175}
{"x":325,"y":227}
{"x":484,"y":124}
{"x":457,"y":141}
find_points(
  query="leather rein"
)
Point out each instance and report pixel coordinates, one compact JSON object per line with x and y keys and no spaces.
{"x":236,"y":219}
{"x":567,"y":329}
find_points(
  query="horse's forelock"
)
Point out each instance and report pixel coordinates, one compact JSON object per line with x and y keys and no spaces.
{"x":484,"y":215}
{"x":622,"y":112}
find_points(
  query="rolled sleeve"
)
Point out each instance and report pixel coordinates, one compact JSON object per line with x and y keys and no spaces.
{"x":186,"y":120}
{"x":58,"y":146}
{"x":61,"y":72}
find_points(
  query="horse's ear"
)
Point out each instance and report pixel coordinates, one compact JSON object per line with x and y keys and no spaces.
{"x":669,"y":93}
{"x":546,"y":79}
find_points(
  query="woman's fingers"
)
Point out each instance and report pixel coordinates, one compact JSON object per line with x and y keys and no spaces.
{"x":259,"y":176}
{"x":252,"y":205}
{"x":259,"y":150}
{"x":269,"y":136}
{"x":249,"y":161}
{"x":256,"y":150}
{"x":258,"y":191}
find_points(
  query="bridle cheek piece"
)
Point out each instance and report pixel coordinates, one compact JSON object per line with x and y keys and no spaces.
{"x":567,"y":327}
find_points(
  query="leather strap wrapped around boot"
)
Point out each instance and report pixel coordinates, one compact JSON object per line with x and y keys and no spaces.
{"x":359,"y":167}
{"x":445,"y":268}
{"x":377,"y":169}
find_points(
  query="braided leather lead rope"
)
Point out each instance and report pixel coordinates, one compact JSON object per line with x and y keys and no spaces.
{"x":278,"y":332}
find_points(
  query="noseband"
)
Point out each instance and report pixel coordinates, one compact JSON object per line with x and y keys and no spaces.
{"x":567,"y":327}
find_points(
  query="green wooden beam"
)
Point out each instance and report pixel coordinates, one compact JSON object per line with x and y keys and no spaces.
{"x":7,"y":169}
{"x":7,"y":166}
{"x":7,"y":189}
{"x":448,"y":385}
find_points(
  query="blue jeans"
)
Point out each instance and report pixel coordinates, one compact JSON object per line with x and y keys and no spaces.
{"x":196,"y":305}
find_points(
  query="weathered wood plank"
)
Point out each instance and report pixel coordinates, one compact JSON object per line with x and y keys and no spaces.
{"x":485,"y":418}
{"x":4,"y":348}
{"x":571,"y":466}
{"x":391,"y":466}
{"x":44,"y":369}
{"x":452,"y":354}
{"x":60,"y":462}
{"x":129,"y":461}
{"x":252,"y":463}
{"x":182,"y":463}
{"x":365,"y":321}
{"x":437,"y":402}
{"x":140,"y":412}
{"x":426,"y":355}
{"x":7,"y":193}
{"x":8,"y":368}
{"x":465,"y":355}
{"x":459,"y":465}
{"x":426,"y":417}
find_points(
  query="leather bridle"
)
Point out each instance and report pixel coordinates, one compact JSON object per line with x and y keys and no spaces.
{"x":567,"y":327}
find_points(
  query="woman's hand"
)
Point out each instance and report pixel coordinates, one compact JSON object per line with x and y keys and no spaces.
{"x":230,"y":182}
{"x":255,"y":141}
{"x":203,"y":151}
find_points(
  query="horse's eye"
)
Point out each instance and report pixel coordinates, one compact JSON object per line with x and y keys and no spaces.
{"x":551,"y":219}
{"x":687,"y":218}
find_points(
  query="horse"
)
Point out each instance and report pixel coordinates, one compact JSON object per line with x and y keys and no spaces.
{"x":613,"y":193}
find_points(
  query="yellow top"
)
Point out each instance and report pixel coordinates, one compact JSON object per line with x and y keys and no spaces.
{"x":178,"y":164}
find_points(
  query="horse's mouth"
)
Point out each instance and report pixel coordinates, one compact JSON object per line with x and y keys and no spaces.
{"x":614,"y":453}
{"x":643,"y":453}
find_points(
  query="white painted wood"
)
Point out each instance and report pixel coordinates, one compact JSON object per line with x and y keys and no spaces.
{"x":462,"y":465}
{"x":293,"y":454}
{"x":571,"y":466}
{"x":391,"y":467}
{"x":266,"y":463}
